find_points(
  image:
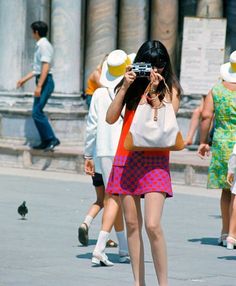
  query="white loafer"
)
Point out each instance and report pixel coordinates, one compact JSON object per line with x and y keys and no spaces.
{"x":100,"y":259}
{"x":222,"y":239}
{"x":231,"y":242}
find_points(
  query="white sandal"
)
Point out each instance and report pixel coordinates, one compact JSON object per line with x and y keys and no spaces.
{"x":231,"y":242}
{"x":222,"y":239}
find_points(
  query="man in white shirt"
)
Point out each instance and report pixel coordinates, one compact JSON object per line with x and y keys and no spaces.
{"x":42,"y":70}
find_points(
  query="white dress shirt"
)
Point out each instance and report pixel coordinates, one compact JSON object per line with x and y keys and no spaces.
{"x":43,"y":53}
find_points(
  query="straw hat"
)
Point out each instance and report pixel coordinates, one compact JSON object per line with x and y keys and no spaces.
{"x":114,"y":68}
{"x":228,"y":70}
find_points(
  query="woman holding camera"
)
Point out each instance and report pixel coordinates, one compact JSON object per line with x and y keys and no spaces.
{"x":144,"y":173}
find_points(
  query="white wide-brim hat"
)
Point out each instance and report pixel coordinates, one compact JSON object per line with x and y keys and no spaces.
{"x":114,"y":68}
{"x":228,"y":70}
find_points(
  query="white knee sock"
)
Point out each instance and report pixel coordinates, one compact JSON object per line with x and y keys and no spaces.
{"x":88,"y":220}
{"x":101,"y":242}
{"x":122,"y":240}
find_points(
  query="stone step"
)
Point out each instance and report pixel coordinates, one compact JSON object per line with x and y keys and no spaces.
{"x":186,"y":167}
{"x":66,"y":113}
{"x":189,"y":169}
{"x":62,"y":159}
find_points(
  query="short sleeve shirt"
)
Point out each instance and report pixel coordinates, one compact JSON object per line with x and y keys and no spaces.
{"x":43,"y":53}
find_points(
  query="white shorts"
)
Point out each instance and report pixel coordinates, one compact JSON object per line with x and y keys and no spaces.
{"x":105,"y":165}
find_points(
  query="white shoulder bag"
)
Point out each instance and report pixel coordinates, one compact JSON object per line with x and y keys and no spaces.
{"x":154,"y":128}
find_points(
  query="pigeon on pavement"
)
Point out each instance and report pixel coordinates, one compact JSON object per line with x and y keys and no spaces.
{"x":22,"y":210}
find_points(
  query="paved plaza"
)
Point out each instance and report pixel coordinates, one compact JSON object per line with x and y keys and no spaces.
{"x":43,"y":250}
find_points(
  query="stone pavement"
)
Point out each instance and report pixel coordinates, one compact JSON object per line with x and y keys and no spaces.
{"x":44,"y":251}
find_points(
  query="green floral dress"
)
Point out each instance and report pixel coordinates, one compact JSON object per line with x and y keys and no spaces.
{"x":224,"y":135}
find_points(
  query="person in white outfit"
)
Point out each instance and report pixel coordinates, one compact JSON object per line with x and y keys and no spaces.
{"x":102,"y":140}
{"x":231,"y":178}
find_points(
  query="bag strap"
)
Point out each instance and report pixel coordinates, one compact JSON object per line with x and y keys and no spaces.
{"x":149,"y":86}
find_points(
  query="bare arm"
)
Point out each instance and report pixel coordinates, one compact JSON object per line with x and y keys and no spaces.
{"x":175,"y":100}
{"x":23,"y":80}
{"x":117,"y":104}
{"x":43,"y":75}
{"x":207,"y":116}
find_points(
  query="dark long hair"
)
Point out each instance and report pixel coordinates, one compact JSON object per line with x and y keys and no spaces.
{"x":153,"y":52}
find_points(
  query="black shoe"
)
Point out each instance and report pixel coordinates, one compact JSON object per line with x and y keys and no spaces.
{"x":41,"y":146}
{"x":83,"y":234}
{"x":52,"y":144}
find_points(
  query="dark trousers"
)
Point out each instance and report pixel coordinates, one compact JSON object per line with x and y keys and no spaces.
{"x":40,"y":119}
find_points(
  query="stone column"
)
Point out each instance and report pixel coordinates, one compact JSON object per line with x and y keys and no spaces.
{"x":65,"y":35}
{"x":210,"y":8}
{"x":12,"y":47}
{"x":37,"y":10}
{"x":231,"y":27}
{"x":133,"y":24}
{"x":164,"y":24}
{"x":101,"y":34}
{"x":186,"y":8}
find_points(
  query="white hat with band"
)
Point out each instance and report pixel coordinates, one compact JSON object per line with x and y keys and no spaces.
{"x":114,"y":68}
{"x":228,"y":70}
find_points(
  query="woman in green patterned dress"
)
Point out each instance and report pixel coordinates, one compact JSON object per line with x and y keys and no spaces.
{"x":220,"y":103}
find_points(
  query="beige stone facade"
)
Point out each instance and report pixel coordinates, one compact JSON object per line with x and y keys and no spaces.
{"x":82,"y":32}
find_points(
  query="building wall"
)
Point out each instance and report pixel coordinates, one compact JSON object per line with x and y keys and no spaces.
{"x":83,"y":31}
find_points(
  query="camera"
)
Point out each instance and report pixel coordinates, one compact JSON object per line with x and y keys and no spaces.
{"x":142,"y":69}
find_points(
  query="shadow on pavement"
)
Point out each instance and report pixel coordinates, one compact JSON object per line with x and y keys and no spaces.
{"x":227,"y":257}
{"x":205,"y":240}
{"x":91,"y":242}
{"x":112,"y":256}
{"x":85,"y":256}
{"x":215,"y":216}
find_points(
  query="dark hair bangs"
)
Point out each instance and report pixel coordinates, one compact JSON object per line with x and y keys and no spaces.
{"x":154,"y":56}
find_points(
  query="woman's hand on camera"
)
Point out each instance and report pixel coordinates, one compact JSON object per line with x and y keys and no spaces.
{"x":155,"y":78}
{"x":129,"y":77}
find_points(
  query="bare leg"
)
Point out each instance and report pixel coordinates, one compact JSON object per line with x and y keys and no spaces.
{"x":119,"y":222}
{"x":111,"y":208}
{"x":98,"y":204}
{"x":225,"y":210}
{"x":110,"y":212}
{"x":112,"y":215}
{"x":232,"y":225}
{"x":154,"y":203}
{"x":133,"y":218}
{"x":194,"y":123}
{"x":92,"y":213}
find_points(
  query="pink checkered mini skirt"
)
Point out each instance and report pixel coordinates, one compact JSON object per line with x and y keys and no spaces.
{"x":139,"y":174}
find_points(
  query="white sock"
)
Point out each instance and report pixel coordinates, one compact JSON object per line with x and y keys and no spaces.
{"x":88,"y":220}
{"x":122,"y":241}
{"x":101,"y":242}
